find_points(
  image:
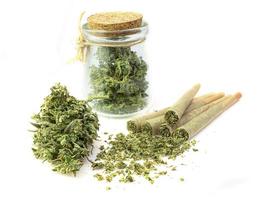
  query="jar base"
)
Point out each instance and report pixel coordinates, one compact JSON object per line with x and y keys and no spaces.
{"x":119,"y":116}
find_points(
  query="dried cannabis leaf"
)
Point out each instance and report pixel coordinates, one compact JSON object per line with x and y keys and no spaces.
{"x":138,"y":154}
{"x":65,"y":129}
{"x":118,"y":82}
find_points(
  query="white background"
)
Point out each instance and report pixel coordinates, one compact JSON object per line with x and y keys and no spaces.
{"x":224,"y":45}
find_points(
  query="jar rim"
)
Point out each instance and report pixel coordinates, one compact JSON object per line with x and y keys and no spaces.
{"x":88,"y":30}
{"x":115,"y":36}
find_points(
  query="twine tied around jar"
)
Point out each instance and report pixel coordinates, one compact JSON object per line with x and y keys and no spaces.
{"x":81,"y":42}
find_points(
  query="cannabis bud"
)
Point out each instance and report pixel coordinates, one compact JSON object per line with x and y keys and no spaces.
{"x":118,"y":81}
{"x":65,"y":130}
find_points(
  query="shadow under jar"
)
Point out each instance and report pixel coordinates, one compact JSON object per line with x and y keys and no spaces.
{"x":117,"y":71}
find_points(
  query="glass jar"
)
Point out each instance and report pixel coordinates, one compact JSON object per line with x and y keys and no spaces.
{"x":116,"y":70}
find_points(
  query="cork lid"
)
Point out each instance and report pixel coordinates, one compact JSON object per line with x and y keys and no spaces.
{"x":114,"y":21}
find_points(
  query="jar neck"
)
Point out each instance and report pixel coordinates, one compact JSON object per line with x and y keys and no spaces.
{"x":120,"y":38}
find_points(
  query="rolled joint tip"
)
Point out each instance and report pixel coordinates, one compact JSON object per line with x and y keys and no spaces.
{"x":238,"y":95}
{"x":197,"y":85}
{"x":183,"y":133}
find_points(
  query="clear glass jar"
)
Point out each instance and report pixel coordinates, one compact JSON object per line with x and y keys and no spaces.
{"x":116,"y":70}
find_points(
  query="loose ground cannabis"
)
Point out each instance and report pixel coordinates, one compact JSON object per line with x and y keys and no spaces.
{"x":65,"y":130}
{"x":140,"y":154}
{"x":118,"y":82}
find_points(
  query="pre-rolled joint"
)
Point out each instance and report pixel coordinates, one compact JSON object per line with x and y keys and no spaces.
{"x":165,"y":130}
{"x":171,"y":117}
{"x":182,"y":133}
{"x":132,"y":127}
{"x":147,"y":128}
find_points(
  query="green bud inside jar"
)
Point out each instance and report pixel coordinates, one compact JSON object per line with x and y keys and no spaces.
{"x":117,"y":73}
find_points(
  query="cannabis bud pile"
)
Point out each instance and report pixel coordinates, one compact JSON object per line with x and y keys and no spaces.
{"x":65,"y":130}
{"x":118,"y":81}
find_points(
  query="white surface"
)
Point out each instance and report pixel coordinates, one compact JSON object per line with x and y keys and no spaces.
{"x":224,"y":45}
